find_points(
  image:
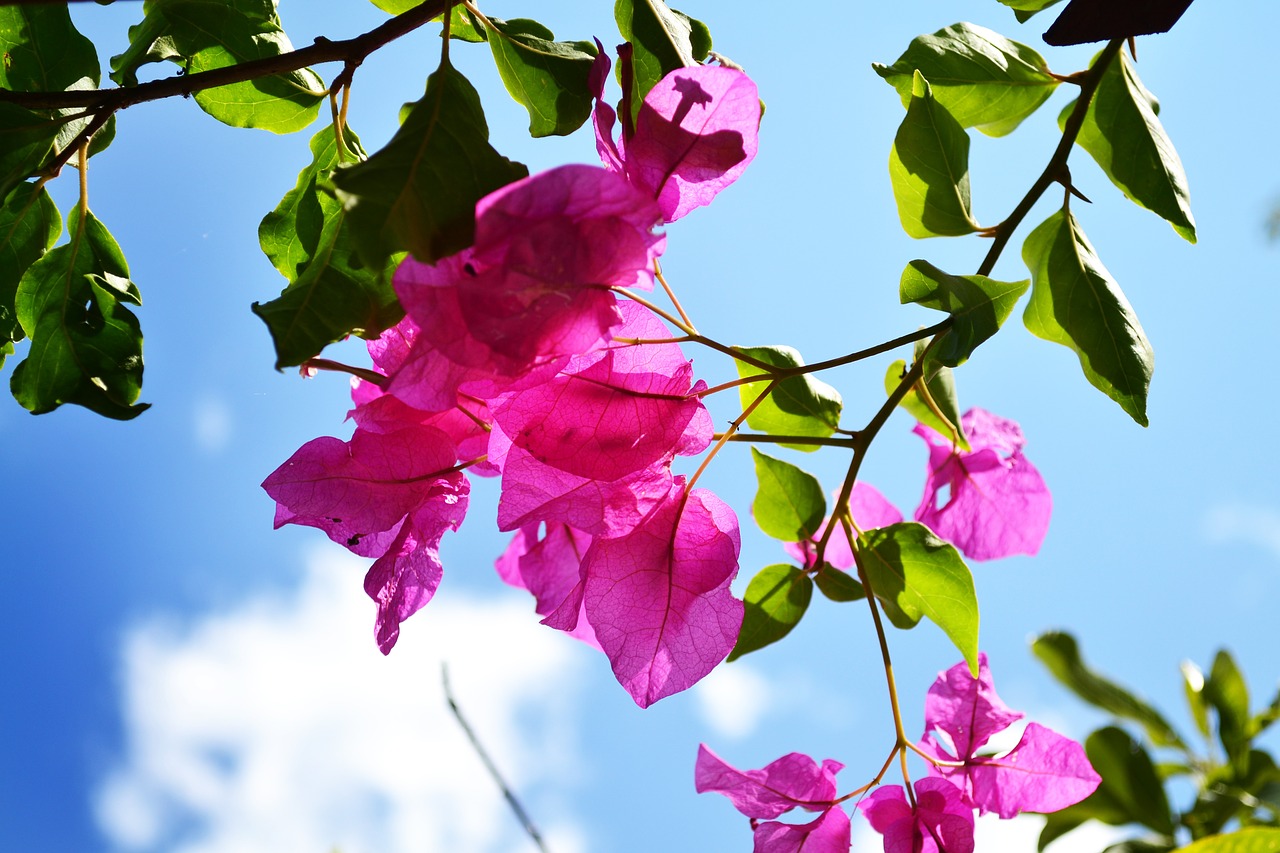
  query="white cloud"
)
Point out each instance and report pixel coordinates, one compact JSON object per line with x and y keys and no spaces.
{"x":277,"y":726}
{"x":1253,"y":525}
{"x":733,"y":699}
{"x":212,"y":420}
{"x":1012,"y":836}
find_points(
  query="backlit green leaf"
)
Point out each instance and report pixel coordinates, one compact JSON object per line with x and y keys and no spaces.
{"x":982,"y":78}
{"x":775,"y":600}
{"x":931,"y":401}
{"x":978,"y":306}
{"x":548,"y":78}
{"x":86,"y":347}
{"x":915,"y":573}
{"x":1226,"y":692}
{"x":838,"y":585}
{"x":1193,"y":686}
{"x":929,"y":168}
{"x":1075,"y":302}
{"x":1122,"y":133}
{"x":798,"y":405}
{"x":29,"y":226}
{"x":789,"y":504}
{"x":662,"y":40}
{"x":1254,"y":839}
{"x":1060,"y":654}
{"x":1024,"y":9}
{"x":419,"y":193}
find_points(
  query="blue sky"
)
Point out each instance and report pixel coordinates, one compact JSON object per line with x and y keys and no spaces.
{"x":182,"y":678}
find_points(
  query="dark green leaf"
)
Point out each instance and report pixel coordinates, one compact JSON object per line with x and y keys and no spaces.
{"x":838,"y":586}
{"x":932,"y":401}
{"x":86,"y":347}
{"x":1122,"y":133}
{"x":1060,"y":654}
{"x":662,"y":40}
{"x":1141,"y":845}
{"x":26,"y":142}
{"x":331,"y":293}
{"x":1226,"y":691}
{"x":548,"y":78}
{"x":918,"y":574}
{"x":1131,"y":791}
{"x":789,"y":504}
{"x":1231,"y":792}
{"x":929,"y":168}
{"x":419,"y":193}
{"x":775,"y":600}
{"x":798,"y":405}
{"x":1254,"y":839}
{"x":461,"y":24}
{"x":982,"y":78}
{"x":29,"y":226}
{"x":978,"y":306}
{"x":1075,"y":302}
{"x":201,"y":35}
{"x":1261,"y":721}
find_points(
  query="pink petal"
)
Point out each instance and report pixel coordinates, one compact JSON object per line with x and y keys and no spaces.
{"x":696,"y":133}
{"x":549,"y":568}
{"x":1045,"y":772}
{"x":604,"y":117}
{"x":998,"y":503}
{"x":967,"y":709}
{"x":659,"y":596}
{"x":793,"y":781}
{"x":869,"y":509}
{"x":829,"y":833}
{"x":939,"y":810}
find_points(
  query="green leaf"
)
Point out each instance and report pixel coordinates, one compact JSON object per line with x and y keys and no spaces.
{"x":1254,"y":839}
{"x":1261,"y":721}
{"x":917,"y":573}
{"x":548,"y":78}
{"x":1060,"y":654}
{"x":1122,"y":133}
{"x":775,"y":600}
{"x":331,"y":293}
{"x":1193,"y":686}
{"x":1226,"y":692}
{"x":419,"y":193}
{"x":929,"y":168}
{"x":978,"y":306}
{"x":86,"y":347}
{"x":201,"y":35}
{"x":662,"y":40}
{"x":838,"y":586}
{"x":1024,"y":9}
{"x":461,"y":25}
{"x":29,"y":226}
{"x":982,"y":78}
{"x":26,"y":142}
{"x":931,"y":401}
{"x":1131,"y":790}
{"x":789,"y":504}
{"x":1075,"y":302}
{"x":798,"y":405}
{"x":1232,"y":792}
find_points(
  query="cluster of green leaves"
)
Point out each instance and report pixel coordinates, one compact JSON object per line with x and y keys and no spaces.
{"x":336,"y":237}
{"x":1236,"y":784}
{"x":965,"y":76}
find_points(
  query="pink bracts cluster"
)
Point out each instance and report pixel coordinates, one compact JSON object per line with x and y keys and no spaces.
{"x":516,"y":359}
{"x":1044,"y":772}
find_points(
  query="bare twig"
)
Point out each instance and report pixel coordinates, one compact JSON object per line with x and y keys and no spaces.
{"x":525,"y":821}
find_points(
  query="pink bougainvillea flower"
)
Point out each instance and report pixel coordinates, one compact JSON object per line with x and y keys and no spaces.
{"x":869,"y":509}
{"x":793,"y":781}
{"x":696,"y":132}
{"x":390,"y":495}
{"x":658,"y":597}
{"x":998,"y":503}
{"x":830,"y":832}
{"x":940,"y":821}
{"x":550,"y":568}
{"x":1045,"y":772}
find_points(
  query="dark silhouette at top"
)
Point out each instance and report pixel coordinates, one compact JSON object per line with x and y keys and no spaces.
{"x":1084,"y":21}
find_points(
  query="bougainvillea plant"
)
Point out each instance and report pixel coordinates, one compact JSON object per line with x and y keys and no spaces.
{"x":519,"y":326}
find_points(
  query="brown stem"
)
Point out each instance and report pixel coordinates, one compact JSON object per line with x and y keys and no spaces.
{"x":351,"y":52}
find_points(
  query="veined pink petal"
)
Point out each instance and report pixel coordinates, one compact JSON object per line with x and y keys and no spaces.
{"x":998,"y":503}
{"x":549,"y":568}
{"x":829,"y":833}
{"x":793,"y":781}
{"x":939,"y":812}
{"x":967,"y":709}
{"x":659,"y":596}
{"x":1045,"y":772}
{"x":696,"y":133}
{"x":604,"y":116}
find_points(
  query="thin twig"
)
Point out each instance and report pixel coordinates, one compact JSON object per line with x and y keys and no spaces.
{"x":351,"y":52}
{"x":525,"y":821}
